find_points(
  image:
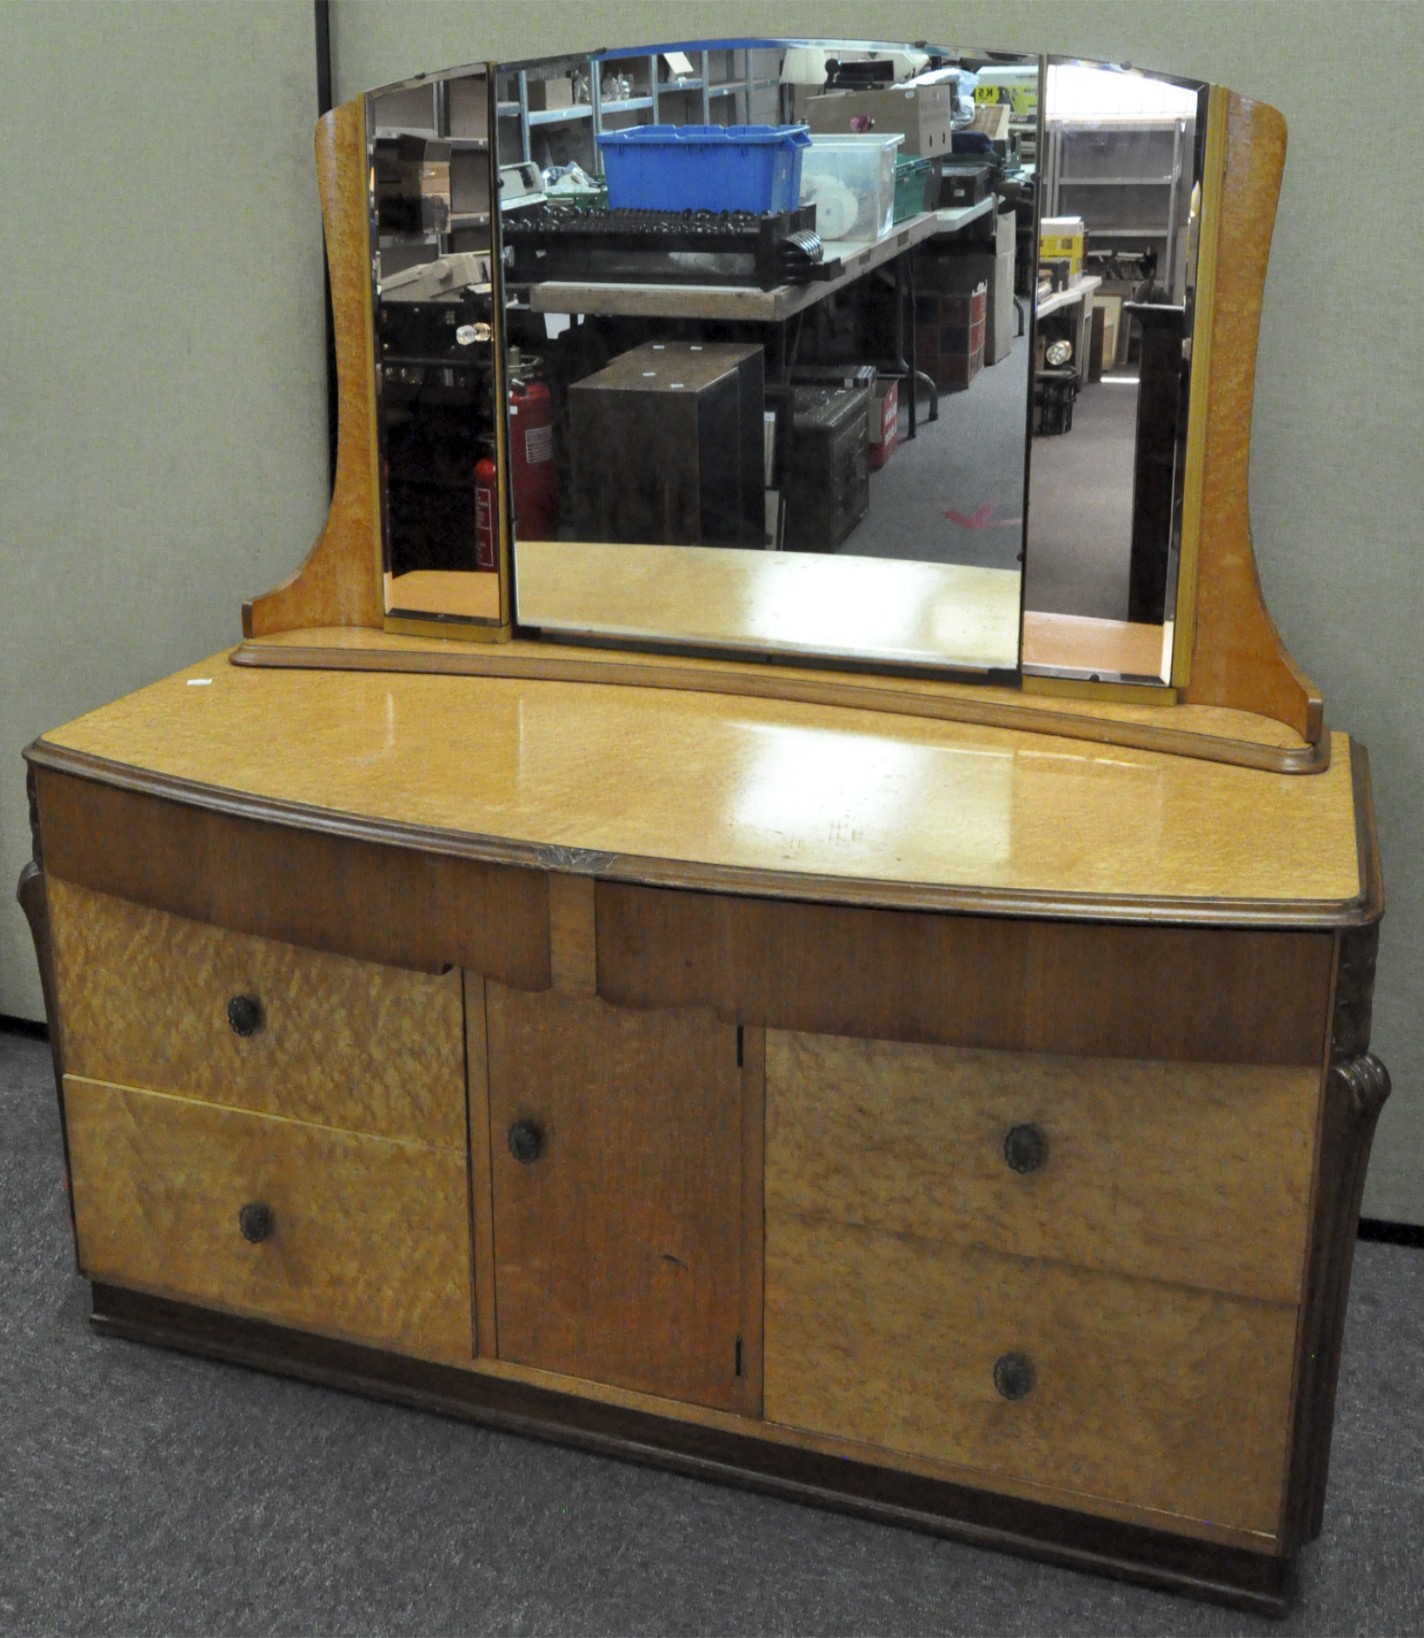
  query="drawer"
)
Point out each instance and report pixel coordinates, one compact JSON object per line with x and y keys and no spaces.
{"x":1188,"y":1172}
{"x":363,"y":1238}
{"x":144,"y":1000}
{"x":1160,"y":1398}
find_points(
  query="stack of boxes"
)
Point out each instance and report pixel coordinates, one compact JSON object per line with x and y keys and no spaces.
{"x":950,"y":324}
{"x":964,"y":304}
{"x":922,"y":113}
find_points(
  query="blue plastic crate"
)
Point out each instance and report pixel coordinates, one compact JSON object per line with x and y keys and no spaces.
{"x":704,"y":167}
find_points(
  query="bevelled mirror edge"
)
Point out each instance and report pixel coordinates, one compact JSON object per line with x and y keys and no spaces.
{"x":327,"y":613}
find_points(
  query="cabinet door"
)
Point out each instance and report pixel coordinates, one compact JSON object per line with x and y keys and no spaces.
{"x":616,"y":1163}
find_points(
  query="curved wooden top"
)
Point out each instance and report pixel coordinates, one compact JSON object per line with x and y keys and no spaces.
{"x":749,"y":795}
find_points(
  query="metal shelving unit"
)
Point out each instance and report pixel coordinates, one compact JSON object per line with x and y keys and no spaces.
{"x":1127,"y":178}
{"x":520,"y":123}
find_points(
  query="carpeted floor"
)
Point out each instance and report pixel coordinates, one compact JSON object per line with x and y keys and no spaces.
{"x":143,"y":1492}
{"x":1080,"y":518}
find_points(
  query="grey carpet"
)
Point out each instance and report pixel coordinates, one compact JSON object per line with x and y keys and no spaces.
{"x":146,"y":1492}
{"x":954,"y":493}
{"x":1080,"y":509}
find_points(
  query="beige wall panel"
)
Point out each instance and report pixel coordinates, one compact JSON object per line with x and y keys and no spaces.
{"x":1144,"y":1393}
{"x":144,"y":998}
{"x":163,"y":438}
{"x":1197,"y":1173}
{"x":370,"y":1238}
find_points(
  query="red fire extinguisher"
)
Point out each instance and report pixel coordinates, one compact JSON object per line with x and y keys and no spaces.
{"x":531,"y":437}
{"x":486,"y":514}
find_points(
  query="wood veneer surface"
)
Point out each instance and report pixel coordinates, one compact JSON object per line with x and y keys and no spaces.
{"x":337,"y":583}
{"x":326,"y":889}
{"x":619,"y":1249}
{"x":143,"y":1000}
{"x":659,"y":785}
{"x":1238,"y":657}
{"x":1189,"y":729}
{"x":371,"y":1237}
{"x":1149,"y":1393}
{"x":1015,"y":984}
{"x":1194,"y":1173}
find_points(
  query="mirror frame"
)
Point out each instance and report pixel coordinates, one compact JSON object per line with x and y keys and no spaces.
{"x":1235,"y":693}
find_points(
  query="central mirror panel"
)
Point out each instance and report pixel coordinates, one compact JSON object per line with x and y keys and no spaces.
{"x":768,"y":354}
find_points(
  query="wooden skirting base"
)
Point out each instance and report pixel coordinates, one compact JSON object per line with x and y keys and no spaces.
{"x":1233,"y":1576}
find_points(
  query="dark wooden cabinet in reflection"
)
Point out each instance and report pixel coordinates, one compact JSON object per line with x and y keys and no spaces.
{"x":667,"y":446}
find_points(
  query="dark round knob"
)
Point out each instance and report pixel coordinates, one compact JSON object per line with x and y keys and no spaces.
{"x":526,"y":1142}
{"x":256,"y":1222}
{"x":1013,"y":1375}
{"x":1025,"y":1148}
{"x":244,"y":1013}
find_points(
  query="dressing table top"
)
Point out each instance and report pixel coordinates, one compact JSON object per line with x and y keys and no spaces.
{"x":702,"y":789}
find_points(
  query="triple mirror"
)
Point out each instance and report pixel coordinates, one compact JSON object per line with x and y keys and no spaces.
{"x":845,"y":352}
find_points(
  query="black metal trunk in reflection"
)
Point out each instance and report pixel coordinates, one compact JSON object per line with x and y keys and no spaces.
{"x":438,"y":407}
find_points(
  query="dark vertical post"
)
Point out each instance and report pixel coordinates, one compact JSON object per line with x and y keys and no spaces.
{"x":1159,"y":403}
{"x":322,"y":15}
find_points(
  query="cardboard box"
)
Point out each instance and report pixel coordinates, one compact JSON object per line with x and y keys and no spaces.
{"x":884,"y":429}
{"x":921,"y":113}
{"x":1111,"y":309}
{"x":468,"y":102}
{"x":1015,"y":85}
{"x":1061,"y":238}
{"x":549,"y":94}
{"x":999,"y":336}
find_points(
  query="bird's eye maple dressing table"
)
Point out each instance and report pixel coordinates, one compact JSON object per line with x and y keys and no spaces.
{"x":945,"y":1102}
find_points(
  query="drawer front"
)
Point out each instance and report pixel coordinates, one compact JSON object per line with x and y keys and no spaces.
{"x":1157,"y":1397}
{"x":1003,"y":983}
{"x":356,"y":1237}
{"x":1192,"y":1173}
{"x":154,"y":1000}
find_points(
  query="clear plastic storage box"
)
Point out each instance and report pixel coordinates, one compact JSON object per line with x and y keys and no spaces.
{"x":851,"y":182}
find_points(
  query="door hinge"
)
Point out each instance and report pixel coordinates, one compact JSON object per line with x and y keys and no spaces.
{"x":739,"y":1356}
{"x":740,"y":1046}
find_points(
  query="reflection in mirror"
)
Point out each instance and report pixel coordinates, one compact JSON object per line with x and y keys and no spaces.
{"x":436,"y":369}
{"x":1116,"y":286}
{"x":768,"y":365}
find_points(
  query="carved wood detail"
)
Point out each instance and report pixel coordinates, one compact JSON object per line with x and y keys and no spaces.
{"x":30,"y":894}
{"x":1356,"y":1087}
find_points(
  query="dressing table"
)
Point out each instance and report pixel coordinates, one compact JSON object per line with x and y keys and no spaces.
{"x":870,"y":1084}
